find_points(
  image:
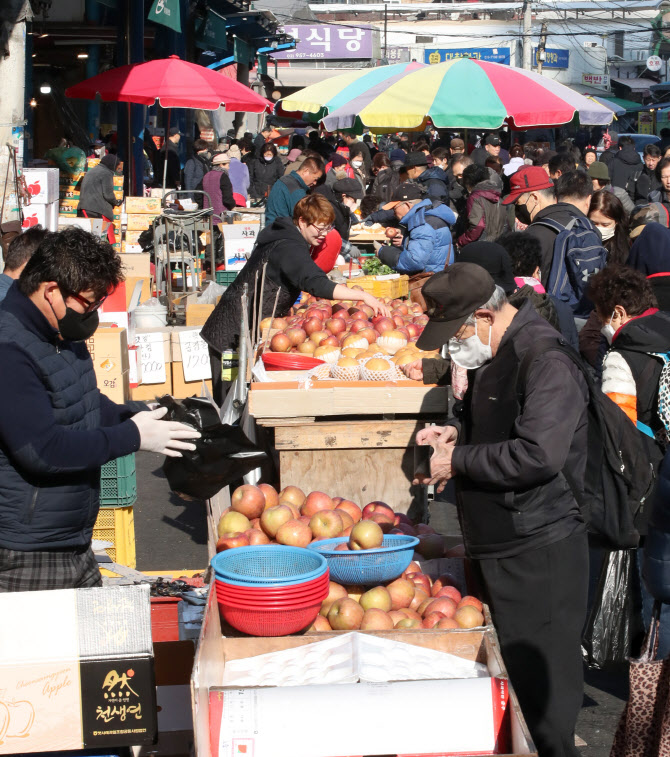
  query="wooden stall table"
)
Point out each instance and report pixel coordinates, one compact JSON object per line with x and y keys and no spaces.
{"x":350,"y":439}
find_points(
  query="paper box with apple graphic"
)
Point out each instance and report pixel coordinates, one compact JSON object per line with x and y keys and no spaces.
{"x":42,"y":184}
{"x":76,"y":669}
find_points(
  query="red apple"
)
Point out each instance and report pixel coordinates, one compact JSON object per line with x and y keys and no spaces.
{"x":423,"y":529}
{"x":402,"y":593}
{"x":310,"y":325}
{"x":347,"y":520}
{"x":379,"y":507}
{"x":469,"y":617}
{"x":430,"y":546}
{"x":382,"y":521}
{"x":402,"y":518}
{"x":294,"y":533}
{"x":366,"y":534}
{"x":451,"y":592}
{"x":233,"y":522}
{"x":420,"y":597}
{"x":420,"y":580}
{"x":359,"y":325}
{"x":396,"y":616}
{"x":270,"y":494}
{"x":248,"y":500}
{"x":318,"y":336}
{"x":413,"y":567}
{"x":256,"y":537}
{"x":384,"y":324}
{"x":446,"y":579}
{"x":472,"y":602}
{"x":292,"y":494}
{"x":231,"y":540}
{"x":319,"y":625}
{"x":447,"y":624}
{"x":444,"y":605}
{"x":336,"y":325}
{"x":335,"y":591}
{"x":332,"y":340}
{"x":432,"y":619}
{"x":351,"y":507}
{"x":296,"y":336}
{"x":345,"y":615}
{"x":343,"y":547}
{"x":403,"y":528}
{"x":274,"y":518}
{"x":376,"y":620}
{"x":280,"y":343}
{"x":326,"y":524}
{"x":316,"y":501}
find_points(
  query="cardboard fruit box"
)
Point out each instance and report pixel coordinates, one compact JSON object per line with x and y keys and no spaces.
{"x":220,"y":728}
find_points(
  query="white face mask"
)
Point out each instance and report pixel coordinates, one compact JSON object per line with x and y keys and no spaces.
{"x":356,"y":163}
{"x":608,"y":330}
{"x":268,"y":158}
{"x":471,"y":353}
{"x":606,"y":232}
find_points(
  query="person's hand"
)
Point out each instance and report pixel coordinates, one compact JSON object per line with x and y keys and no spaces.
{"x":397,"y":240}
{"x":164,"y":437}
{"x":437,"y":434}
{"x":413,"y":370}
{"x":379,"y":307}
{"x":440,"y":466}
{"x":354,"y":252}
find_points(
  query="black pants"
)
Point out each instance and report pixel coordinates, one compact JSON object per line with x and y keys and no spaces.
{"x":538,"y":603}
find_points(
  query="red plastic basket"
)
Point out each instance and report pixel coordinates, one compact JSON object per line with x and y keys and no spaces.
{"x":289,"y":592}
{"x":269,"y":622}
{"x":259,"y":591}
{"x":289,"y":361}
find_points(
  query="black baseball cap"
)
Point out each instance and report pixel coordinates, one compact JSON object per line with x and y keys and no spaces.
{"x":416,"y":159}
{"x":349,"y":187}
{"x":492,"y":139}
{"x":174,"y":130}
{"x":408,"y":190}
{"x":452,"y":296}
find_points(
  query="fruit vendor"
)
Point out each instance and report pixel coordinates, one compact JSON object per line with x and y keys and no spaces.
{"x":283,"y":251}
{"x":517,"y":442}
{"x":56,"y":428}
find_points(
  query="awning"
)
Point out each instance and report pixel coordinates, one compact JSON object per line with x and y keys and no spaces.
{"x":635,"y":85}
{"x":628,"y":105}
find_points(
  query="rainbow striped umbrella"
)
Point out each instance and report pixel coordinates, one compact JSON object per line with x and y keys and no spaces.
{"x":318,"y":100}
{"x":459,"y":94}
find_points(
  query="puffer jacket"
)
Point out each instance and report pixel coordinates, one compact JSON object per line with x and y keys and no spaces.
{"x":55,"y":433}
{"x":263,"y":175}
{"x":647,"y":182}
{"x":385,"y":184}
{"x":428,"y":246}
{"x":624,"y":166}
{"x":434,"y":181}
{"x":486,"y":217}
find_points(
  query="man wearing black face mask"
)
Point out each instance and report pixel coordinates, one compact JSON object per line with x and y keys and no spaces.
{"x":56,"y":428}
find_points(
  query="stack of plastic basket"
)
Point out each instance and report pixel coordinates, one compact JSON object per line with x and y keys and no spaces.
{"x":270,"y":590}
{"x":115,"y":522}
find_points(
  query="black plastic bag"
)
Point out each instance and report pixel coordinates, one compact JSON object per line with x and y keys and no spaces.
{"x":223,"y":453}
{"x":612,"y":624}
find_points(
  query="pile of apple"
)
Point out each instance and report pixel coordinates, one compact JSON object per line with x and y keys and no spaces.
{"x":261,"y":515}
{"x":412,"y":601}
{"x":345,"y":332}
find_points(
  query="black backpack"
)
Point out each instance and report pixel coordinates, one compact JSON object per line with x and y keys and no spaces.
{"x":619,"y":476}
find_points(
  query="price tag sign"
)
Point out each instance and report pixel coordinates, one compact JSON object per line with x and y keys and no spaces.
{"x":152,"y":357}
{"x":194,"y":356}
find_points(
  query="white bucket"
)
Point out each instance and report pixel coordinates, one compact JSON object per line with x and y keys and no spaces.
{"x":150,"y":317}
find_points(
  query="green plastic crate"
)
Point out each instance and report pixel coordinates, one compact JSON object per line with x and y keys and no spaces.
{"x":118,"y":482}
{"x":226,"y":278}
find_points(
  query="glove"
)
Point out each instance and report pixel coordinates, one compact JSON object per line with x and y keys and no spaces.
{"x":354,"y":252}
{"x":163,"y":436}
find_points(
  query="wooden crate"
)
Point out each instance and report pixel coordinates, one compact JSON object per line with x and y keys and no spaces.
{"x":357,"y":398}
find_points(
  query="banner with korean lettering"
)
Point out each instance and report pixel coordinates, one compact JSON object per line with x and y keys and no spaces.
{"x":166,"y":12}
{"x":490,"y":54}
{"x":318,"y":41}
{"x":554,"y":58}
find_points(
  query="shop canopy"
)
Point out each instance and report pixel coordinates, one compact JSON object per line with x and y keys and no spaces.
{"x":627,"y":105}
{"x":461,"y":94}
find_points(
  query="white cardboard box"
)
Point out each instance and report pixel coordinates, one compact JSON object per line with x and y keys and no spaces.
{"x":42,"y":184}
{"x":46,"y":215}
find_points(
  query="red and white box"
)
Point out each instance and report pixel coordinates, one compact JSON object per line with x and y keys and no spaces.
{"x":44,"y":215}
{"x":42,"y":184}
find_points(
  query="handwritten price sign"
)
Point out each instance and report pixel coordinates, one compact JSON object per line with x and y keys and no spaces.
{"x":152,"y":357}
{"x":195,"y":356}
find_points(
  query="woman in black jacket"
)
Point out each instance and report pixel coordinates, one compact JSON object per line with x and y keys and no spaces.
{"x":386,"y":180}
{"x":264,"y":171}
{"x":97,"y":199}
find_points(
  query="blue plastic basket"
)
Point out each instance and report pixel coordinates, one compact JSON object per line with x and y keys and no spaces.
{"x":367,"y":566}
{"x":268,"y":566}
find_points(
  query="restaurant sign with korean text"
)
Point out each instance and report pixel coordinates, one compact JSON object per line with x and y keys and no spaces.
{"x":319,"y":41}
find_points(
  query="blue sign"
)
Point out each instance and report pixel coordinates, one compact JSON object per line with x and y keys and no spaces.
{"x":554,"y":58}
{"x":491,"y":54}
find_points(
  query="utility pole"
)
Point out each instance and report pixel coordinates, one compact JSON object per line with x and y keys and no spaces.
{"x":385,"y":29}
{"x":527,"y":42}
{"x":541,"y":48}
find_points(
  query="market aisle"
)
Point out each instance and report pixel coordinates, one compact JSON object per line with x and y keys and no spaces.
{"x":170,"y":533}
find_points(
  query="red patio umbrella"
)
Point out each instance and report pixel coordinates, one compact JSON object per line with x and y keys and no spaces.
{"x":174,"y":83}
